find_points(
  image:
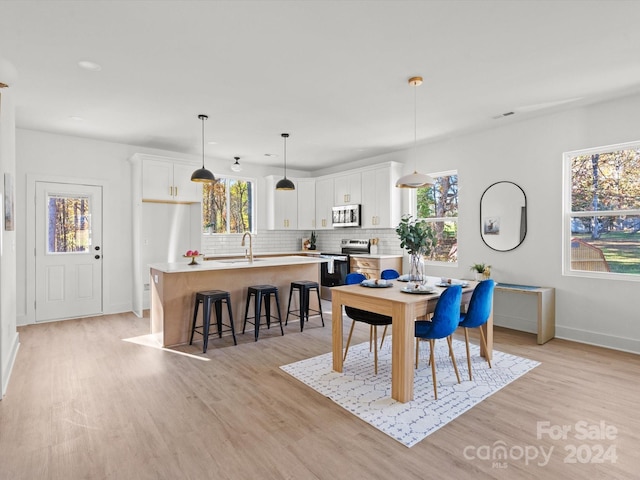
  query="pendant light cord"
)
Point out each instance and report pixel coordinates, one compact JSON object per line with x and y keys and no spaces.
{"x":415,"y":128}
{"x":203,"y":119}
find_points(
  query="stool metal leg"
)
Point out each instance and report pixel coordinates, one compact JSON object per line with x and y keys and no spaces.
{"x":246,"y":312}
{"x":289,"y":305}
{"x":258,"y":305}
{"x":267,"y":306}
{"x":218,"y":307}
{"x":320,"y":305}
{"x":195,"y":315}
{"x":233,"y":329}
{"x":304,"y":306}
{"x":279,"y":315}
{"x":206,"y":318}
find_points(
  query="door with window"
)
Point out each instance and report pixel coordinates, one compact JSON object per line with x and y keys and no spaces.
{"x":68,"y":251}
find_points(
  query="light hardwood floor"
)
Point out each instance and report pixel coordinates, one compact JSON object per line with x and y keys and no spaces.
{"x":84,"y":404}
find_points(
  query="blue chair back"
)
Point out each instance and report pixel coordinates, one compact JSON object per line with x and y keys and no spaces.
{"x":353,"y":278}
{"x":445,"y":317}
{"x":479,"y":306}
{"x":389,"y":274}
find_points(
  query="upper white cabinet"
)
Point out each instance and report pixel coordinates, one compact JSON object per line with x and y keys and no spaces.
{"x":167,"y":180}
{"x":380,"y":197}
{"x":347,"y":189}
{"x":324,"y":203}
{"x":306,"y":189}
{"x":282,"y":205}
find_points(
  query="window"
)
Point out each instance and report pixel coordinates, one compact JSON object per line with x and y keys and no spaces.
{"x":438,"y":204}
{"x":602,"y":212}
{"x":69,"y":224}
{"x":227,"y":206}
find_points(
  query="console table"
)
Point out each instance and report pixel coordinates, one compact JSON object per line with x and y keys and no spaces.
{"x":527,"y":308}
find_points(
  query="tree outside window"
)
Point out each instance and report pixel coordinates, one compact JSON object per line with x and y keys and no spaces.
{"x":438,"y":205}
{"x":227,"y":206}
{"x":602,"y":211}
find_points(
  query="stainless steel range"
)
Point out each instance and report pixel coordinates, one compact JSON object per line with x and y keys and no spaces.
{"x":334,"y":272}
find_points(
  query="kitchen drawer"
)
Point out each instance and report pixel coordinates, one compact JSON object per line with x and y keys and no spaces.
{"x":368,"y":263}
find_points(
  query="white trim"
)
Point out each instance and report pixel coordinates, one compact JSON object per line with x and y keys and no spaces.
{"x":6,"y":374}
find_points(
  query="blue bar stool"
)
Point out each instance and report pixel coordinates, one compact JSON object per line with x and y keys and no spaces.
{"x":258,"y":292}
{"x":209,"y":298}
{"x":304,"y":288}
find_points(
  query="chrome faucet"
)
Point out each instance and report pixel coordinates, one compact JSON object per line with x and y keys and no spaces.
{"x":250,"y":246}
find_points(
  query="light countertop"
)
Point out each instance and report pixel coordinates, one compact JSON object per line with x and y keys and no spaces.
{"x":377,"y":255}
{"x":234,"y":263}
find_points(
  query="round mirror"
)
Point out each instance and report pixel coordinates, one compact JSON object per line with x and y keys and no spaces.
{"x":503,"y":216}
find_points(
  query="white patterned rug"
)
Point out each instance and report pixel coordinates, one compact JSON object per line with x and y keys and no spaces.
{"x":368,"y":396}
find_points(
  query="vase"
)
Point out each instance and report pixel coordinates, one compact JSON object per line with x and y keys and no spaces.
{"x":416,"y":268}
{"x":479,"y":276}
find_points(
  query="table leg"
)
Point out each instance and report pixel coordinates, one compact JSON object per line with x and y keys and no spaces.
{"x":402,"y":351}
{"x":487,"y":328}
{"x":336,"y":330}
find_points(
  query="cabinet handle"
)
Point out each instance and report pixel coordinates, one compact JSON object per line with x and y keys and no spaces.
{"x":176,"y":190}
{"x":171,"y":191}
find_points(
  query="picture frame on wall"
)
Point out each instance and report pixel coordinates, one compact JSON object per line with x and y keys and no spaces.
{"x":492,"y":226}
{"x":9,"y":210}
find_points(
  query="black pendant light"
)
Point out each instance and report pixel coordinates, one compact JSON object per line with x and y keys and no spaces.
{"x":203,"y":175}
{"x":236,"y":167}
{"x":415,"y":179}
{"x":285,"y":183}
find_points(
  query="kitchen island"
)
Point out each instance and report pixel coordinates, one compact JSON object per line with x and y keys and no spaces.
{"x":174,"y":285}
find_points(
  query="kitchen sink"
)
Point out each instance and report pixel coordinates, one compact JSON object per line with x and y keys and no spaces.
{"x":241,"y":260}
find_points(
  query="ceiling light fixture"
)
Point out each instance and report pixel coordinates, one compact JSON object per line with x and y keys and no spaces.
{"x":236,"y":167}
{"x":89,"y":65}
{"x":415,"y":180}
{"x":202,"y":174}
{"x":285,"y":183}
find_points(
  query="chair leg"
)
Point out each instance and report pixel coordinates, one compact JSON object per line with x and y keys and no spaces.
{"x":286,"y":322}
{"x":484,"y":345}
{"x":195,"y":315}
{"x":375,"y":350}
{"x":433,"y":369}
{"x":370,"y":337}
{"x":279,"y":314}
{"x":353,"y":324}
{"x":417,"y":350}
{"x":320,"y":305}
{"x":466,"y":341}
{"x":453,"y":358}
{"x":384,"y":332}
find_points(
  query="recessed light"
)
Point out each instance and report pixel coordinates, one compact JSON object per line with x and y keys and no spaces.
{"x":212,"y":143}
{"x":77,"y":119}
{"x":270,"y":155}
{"x":91,"y":66}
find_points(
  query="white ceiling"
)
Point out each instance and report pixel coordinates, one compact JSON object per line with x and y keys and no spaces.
{"x":333,"y":74}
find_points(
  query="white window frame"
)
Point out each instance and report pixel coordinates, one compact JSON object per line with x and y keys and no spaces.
{"x":567,"y":213}
{"x":414,"y":209}
{"x":254,"y":187}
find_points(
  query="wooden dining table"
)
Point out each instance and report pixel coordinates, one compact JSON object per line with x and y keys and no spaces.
{"x":403,"y":308}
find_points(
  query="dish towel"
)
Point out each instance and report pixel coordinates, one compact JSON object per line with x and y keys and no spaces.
{"x":330,"y":265}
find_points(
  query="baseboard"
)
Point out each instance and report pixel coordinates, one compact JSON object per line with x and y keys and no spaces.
{"x":6,"y":374}
{"x":598,"y":339}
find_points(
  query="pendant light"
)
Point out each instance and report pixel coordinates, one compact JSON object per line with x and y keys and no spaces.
{"x":285,"y":183}
{"x":415,"y":180}
{"x":236,"y":167}
{"x":202,"y":174}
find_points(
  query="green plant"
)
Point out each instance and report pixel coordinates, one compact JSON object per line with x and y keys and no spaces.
{"x":312,"y":239}
{"x":479,"y":267}
{"x":416,"y":236}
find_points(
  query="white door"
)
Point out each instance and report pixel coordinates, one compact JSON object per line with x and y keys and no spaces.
{"x":68,"y":250}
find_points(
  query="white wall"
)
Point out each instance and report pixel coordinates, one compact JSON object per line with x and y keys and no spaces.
{"x":9,"y":340}
{"x":529,"y":153}
{"x":41,"y":154}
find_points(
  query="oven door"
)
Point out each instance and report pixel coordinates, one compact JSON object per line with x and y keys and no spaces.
{"x":333,"y":273}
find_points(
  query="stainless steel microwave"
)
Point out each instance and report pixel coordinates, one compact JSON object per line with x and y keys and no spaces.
{"x":346,"y":216}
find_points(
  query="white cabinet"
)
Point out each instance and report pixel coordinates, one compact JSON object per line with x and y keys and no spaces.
{"x":306,"y":190}
{"x":282,"y":206}
{"x":347,"y":189}
{"x":169,"y":181}
{"x":380,"y":197}
{"x":324,"y":203}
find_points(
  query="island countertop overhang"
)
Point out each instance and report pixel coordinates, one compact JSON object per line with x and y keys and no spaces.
{"x":234,"y":264}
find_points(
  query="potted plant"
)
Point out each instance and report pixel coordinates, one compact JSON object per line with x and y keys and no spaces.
{"x":418,"y":238}
{"x":481,"y":270}
{"x":312,"y":240}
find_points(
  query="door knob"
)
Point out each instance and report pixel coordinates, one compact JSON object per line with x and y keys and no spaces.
{"x":97,"y":257}
{"x":97,"y":247}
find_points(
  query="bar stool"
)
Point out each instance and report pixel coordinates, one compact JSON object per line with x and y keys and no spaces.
{"x":304,"y":288}
{"x":258,"y":292}
{"x":208,"y":298}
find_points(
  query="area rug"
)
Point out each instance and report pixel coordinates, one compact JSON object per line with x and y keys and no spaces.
{"x":368,"y":396}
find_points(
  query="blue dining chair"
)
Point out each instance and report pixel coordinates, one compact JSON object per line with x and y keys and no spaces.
{"x":370,"y":318}
{"x":388,"y":274}
{"x":443,"y":323}
{"x":477,"y":315}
